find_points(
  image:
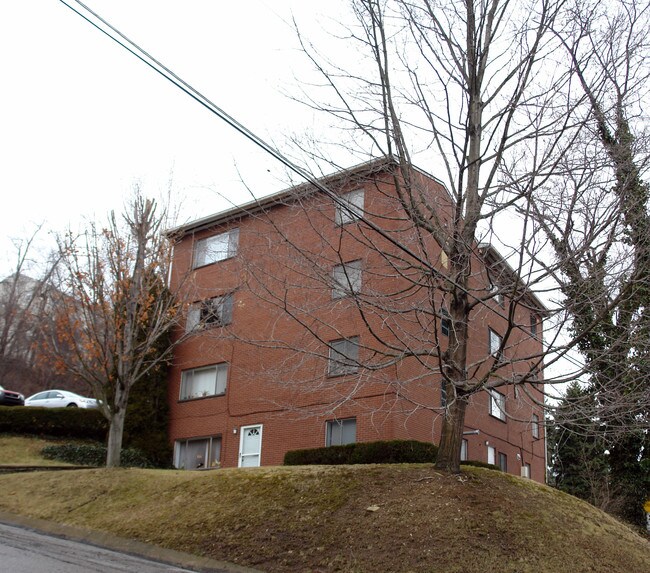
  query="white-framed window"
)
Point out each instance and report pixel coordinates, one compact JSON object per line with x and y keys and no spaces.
{"x":203,"y":382}
{"x":525,"y":471}
{"x":503,"y":462}
{"x":492,"y":455}
{"x":197,"y":453}
{"x":534,"y":428}
{"x":497,"y":405}
{"x":340,"y":432}
{"x":347,"y":279}
{"x":534,"y":322}
{"x":463,"y":450}
{"x":494,"y":343}
{"x":350,"y":207}
{"x":443,"y":393}
{"x":216,"y":248}
{"x":212,"y":312}
{"x":343,"y":356}
{"x":496,"y":294}
{"x":445,"y":322}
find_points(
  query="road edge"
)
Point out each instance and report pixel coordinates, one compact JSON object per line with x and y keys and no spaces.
{"x":125,"y":545}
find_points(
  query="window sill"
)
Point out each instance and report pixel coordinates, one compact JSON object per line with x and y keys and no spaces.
{"x":195,"y":398}
{"x":194,"y":268}
{"x":342,"y":374}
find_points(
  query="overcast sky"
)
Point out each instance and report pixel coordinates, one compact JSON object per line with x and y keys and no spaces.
{"x":82,"y":121}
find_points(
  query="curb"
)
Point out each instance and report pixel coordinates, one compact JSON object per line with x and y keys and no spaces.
{"x":129,"y":546}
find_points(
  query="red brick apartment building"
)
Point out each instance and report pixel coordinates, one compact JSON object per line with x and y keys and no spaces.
{"x":298,"y":317}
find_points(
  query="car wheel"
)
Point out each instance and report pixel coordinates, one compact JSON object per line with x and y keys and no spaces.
{"x":73,"y":405}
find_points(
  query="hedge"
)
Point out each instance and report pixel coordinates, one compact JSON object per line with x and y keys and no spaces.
{"x":478,"y":464}
{"x":77,"y":423}
{"x":87,"y":424}
{"x":90,"y":455}
{"x":381,"y":452}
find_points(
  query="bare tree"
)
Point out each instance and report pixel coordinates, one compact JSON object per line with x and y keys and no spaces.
{"x":463,"y":86}
{"x":113,"y":317}
{"x":598,"y":225}
{"x":594,"y":212}
{"x":23,"y":304}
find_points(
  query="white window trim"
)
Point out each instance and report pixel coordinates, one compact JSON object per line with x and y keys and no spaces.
{"x":350,"y":208}
{"x":220,"y":373}
{"x":347,"y":279}
{"x":203,"y":256}
{"x":445,"y":322}
{"x":534,"y":325}
{"x":341,"y":423}
{"x":495,"y":340}
{"x":341,"y":363}
{"x":210,"y":463}
{"x":225,"y":307}
{"x":464,"y":444}
{"x":535,"y":427}
{"x":497,"y":405}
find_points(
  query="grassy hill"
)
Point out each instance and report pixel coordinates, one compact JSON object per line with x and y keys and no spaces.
{"x":399,"y":518}
{"x":25,"y":451}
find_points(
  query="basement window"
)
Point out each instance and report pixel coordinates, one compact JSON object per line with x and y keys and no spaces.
{"x":198,"y":453}
{"x":341,"y":432}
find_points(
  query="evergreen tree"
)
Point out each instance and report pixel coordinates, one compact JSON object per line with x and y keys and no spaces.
{"x":578,"y":454}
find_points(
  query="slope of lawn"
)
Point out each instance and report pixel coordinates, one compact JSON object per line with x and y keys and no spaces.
{"x":388,"y":518}
{"x":26,"y":451}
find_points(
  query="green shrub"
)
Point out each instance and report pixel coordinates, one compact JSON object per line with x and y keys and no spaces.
{"x":381,"y":452}
{"x":394,"y":452}
{"x":334,"y":455}
{"x":479,"y":464}
{"x":93,"y":455}
{"x":56,"y":422}
{"x":141,"y":432}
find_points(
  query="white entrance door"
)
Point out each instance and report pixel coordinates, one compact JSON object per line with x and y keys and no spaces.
{"x":250,"y":446}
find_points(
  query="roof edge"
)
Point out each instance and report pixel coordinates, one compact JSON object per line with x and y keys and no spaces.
{"x":374,"y":165}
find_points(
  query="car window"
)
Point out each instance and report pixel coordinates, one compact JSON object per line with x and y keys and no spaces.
{"x":40,"y":396}
{"x":56,"y":395}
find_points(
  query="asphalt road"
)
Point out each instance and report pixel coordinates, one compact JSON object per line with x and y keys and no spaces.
{"x":26,"y":551}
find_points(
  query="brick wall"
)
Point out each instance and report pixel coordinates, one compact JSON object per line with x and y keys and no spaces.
{"x":278,"y":361}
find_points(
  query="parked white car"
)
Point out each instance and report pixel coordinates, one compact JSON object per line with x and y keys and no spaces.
{"x":60,"y":399}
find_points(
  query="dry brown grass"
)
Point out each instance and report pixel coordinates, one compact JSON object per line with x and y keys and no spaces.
{"x":25,"y":451}
{"x":317,"y":519}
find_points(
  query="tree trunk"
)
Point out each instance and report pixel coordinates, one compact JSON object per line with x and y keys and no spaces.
{"x":115,"y":433}
{"x":453,"y":424}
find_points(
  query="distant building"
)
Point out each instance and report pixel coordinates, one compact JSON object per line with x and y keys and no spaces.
{"x":281,"y":355}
